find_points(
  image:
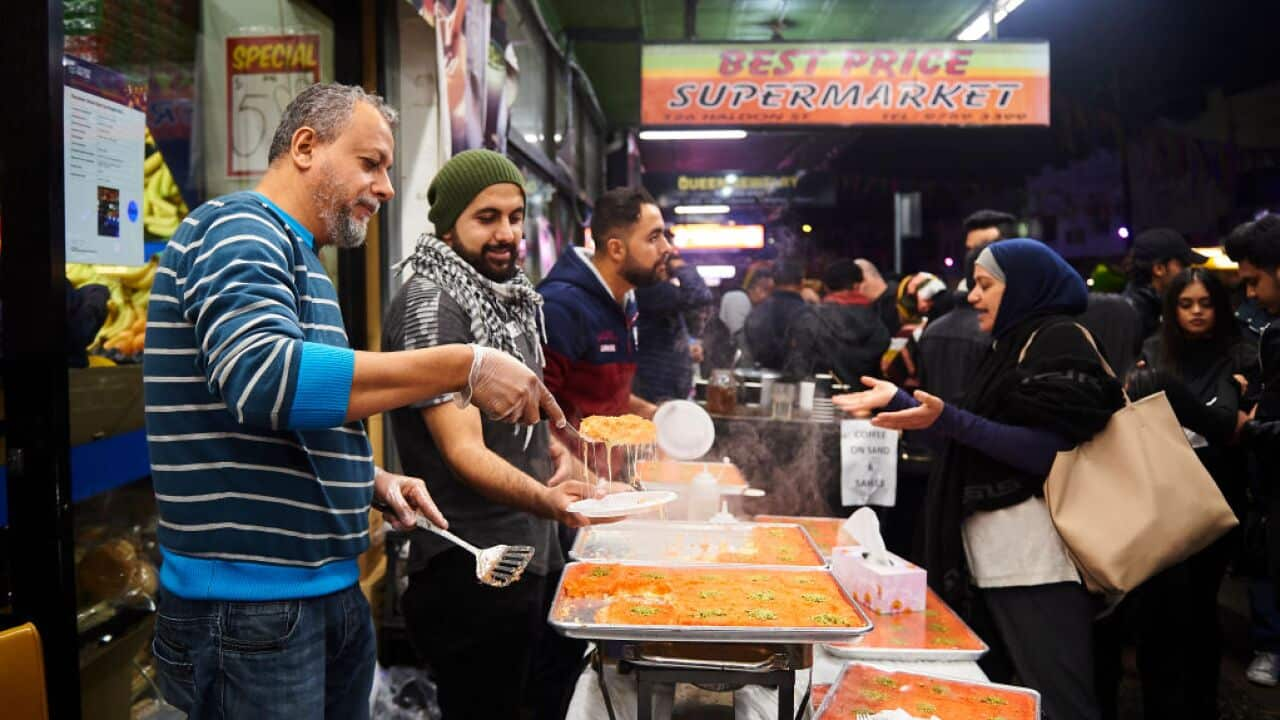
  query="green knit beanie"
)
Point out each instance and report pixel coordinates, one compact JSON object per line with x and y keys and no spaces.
{"x":464,"y":177}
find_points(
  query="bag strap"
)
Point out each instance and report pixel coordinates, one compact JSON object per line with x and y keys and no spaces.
{"x":1088,"y":336}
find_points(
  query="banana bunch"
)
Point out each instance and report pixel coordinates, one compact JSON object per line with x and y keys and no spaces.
{"x":162,"y":205}
{"x":124,"y":331}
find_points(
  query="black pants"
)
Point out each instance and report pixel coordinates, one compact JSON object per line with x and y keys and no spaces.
{"x":484,"y":645}
{"x":1173,"y":620}
{"x":1048,"y":631}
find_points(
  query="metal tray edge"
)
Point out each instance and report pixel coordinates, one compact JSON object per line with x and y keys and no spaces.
{"x":835,"y":684}
{"x":575,"y":551}
{"x":693,"y":633}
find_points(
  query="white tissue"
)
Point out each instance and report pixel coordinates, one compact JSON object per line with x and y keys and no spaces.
{"x":864,"y":527}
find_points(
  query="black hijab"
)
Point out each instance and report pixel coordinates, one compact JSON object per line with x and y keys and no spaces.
{"x":1059,"y":386}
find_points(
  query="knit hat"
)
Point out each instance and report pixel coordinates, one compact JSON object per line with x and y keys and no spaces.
{"x":464,"y":177}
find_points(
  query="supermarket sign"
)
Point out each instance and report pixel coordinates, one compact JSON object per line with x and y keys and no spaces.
{"x":846,"y":84}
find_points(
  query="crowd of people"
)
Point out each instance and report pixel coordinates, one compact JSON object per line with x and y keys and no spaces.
{"x":247,"y":357}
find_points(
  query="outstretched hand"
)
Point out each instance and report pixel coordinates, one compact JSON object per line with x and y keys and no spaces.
{"x":917,"y":418}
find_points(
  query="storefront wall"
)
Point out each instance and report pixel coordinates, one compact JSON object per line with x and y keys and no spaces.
{"x":75,"y":494}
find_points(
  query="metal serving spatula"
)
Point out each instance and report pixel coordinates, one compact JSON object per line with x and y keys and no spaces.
{"x":498,"y":566}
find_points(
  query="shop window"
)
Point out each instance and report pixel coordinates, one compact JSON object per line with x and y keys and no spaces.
{"x":529,"y":114}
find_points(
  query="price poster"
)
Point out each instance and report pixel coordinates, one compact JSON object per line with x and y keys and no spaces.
{"x":264,"y":73}
{"x":104,"y":135}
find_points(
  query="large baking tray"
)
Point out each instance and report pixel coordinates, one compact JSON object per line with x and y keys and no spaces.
{"x":651,"y":541}
{"x":578,"y":622}
{"x":829,"y":527}
{"x":829,"y":701}
{"x":917,"y":629}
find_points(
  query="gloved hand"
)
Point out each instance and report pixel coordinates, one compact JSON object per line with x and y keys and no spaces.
{"x":504,"y":389}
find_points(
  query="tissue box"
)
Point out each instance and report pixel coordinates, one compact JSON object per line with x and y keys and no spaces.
{"x":885,"y":589}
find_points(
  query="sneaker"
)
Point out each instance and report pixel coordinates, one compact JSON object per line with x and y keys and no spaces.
{"x":1264,"y":670}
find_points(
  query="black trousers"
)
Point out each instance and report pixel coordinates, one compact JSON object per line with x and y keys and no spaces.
{"x":1048,"y":631}
{"x":1173,"y":620}
{"x":489,"y":649}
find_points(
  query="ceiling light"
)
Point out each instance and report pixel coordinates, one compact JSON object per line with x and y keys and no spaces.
{"x":701,"y":209}
{"x":807,"y":228}
{"x":731,"y":178}
{"x":1123,"y":232}
{"x":726,"y":191}
{"x":719,"y":272}
{"x":981,"y":25}
{"x":692,"y":134}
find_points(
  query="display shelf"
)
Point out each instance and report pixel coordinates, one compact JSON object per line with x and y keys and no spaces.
{"x":97,"y":467}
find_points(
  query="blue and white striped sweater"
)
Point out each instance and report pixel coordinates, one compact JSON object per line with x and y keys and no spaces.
{"x":263,"y":492}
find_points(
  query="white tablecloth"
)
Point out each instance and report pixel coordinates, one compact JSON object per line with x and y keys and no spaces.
{"x":750,"y":703}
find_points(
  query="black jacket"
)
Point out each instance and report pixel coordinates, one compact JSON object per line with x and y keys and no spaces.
{"x":767,"y":326}
{"x":846,"y":340}
{"x":1146,"y":301}
{"x":1206,"y":401}
{"x":949,"y":352}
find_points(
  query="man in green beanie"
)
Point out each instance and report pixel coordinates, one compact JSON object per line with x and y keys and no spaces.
{"x":495,"y":486}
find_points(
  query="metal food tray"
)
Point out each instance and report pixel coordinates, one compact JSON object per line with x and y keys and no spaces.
{"x":914,"y":654}
{"x":829,"y":700}
{"x":590,"y":630}
{"x":641,"y":541}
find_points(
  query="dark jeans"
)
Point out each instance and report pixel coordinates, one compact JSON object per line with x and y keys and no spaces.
{"x":1048,"y":631}
{"x":1264,"y":618}
{"x":485,"y":645}
{"x":309,"y":658}
{"x":1173,"y":618}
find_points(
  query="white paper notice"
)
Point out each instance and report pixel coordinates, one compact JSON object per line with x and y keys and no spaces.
{"x":104,"y":139}
{"x":868,"y":464}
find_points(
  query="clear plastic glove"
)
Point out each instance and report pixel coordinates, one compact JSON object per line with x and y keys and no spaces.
{"x":504,"y":389}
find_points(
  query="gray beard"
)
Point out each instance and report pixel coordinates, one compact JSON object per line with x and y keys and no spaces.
{"x":344,"y":231}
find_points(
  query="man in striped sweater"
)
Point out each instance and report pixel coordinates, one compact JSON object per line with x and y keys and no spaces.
{"x":262,"y":471}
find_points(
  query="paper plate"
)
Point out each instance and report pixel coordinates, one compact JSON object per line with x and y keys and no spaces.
{"x":622,"y":504}
{"x":685,"y":430}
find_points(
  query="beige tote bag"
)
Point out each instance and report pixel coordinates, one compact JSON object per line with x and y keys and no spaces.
{"x":1135,"y":499}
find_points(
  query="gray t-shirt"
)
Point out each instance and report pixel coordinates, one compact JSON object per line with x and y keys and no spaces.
{"x":423,"y":315}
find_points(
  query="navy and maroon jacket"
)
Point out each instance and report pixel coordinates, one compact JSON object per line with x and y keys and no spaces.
{"x":591,"y":340}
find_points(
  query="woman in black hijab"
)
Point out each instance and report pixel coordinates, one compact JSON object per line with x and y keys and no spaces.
{"x":1193,"y":358}
{"x":1041,"y":389}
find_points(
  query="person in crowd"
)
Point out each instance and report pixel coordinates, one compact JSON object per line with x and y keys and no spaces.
{"x":1253,"y":318}
{"x":952,"y":347}
{"x":262,"y":471}
{"x":843,"y":335}
{"x":1255,"y":246}
{"x":874,"y":287}
{"x":498,"y":487}
{"x":591,"y":310}
{"x":723,"y":337}
{"x":980,"y":230}
{"x":987,"y":226}
{"x":767,"y":325}
{"x":667,"y":349}
{"x":1157,"y":256}
{"x":1041,"y":389}
{"x":1194,"y":358}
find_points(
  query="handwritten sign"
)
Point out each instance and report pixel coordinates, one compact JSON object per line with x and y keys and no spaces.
{"x":868,"y":464}
{"x":264,"y":73}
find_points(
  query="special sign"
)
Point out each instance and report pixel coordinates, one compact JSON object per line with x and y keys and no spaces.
{"x":852,"y":84}
{"x":264,"y":73}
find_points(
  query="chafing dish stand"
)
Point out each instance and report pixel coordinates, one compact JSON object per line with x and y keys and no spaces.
{"x":726,"y":666}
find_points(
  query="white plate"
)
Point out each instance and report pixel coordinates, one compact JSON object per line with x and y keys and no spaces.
{"x":622,"y":504}
{"x":685,"y":430}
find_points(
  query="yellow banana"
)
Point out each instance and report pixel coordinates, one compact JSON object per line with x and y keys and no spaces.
{"x":152,"y":163}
